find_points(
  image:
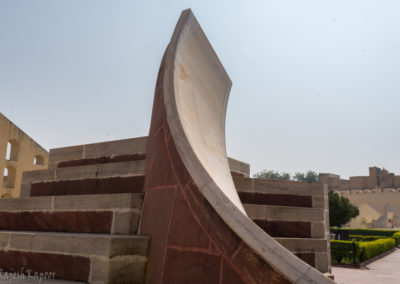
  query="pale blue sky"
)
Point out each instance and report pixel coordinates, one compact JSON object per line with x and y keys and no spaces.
{"x":315,"y":83}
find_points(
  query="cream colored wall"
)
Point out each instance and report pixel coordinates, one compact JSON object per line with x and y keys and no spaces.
{"x":384,"y":201}
{"x":28,"y":149}
{"x":367,"y":218}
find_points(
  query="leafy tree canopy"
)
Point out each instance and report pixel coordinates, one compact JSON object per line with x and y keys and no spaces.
{"x":309,"y":176}
{"x":341,"y":211}
{"x":272,"y":175}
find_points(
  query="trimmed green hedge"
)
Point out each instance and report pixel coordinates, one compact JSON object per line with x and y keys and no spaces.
{"x":396,"y":237}
{"x":345,"y":232}
{"x":361,"y":238}
{"x":342,"y":251}
{"x":374,"y":248}
{"x":349,"y":252}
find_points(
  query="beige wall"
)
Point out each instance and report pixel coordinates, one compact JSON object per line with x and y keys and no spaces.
{"x":385,"y":201}
{"x":367,"y":218}
{"x":22,"y":158}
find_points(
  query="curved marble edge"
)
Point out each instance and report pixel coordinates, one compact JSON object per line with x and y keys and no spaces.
{"x":224,"y":200}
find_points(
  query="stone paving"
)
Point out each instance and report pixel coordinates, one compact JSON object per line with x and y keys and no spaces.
{"x":383,"y":271}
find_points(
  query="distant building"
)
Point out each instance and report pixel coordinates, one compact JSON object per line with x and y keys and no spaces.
{"x":377,"y":197}
{"x":18,"y":153}
{"x":378,"y":178}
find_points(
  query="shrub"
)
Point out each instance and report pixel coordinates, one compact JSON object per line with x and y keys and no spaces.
{"x":345,"y":232}
{"x":396,"y":237}
{"x":348,"y":252}
{"x":361,"y":238}
{"x":342,"y":251}
{"x":374,"y":248}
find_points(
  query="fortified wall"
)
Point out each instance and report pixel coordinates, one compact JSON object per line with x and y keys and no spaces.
{"x":377,"y":178}
{"x":18,"y":153}
{"x":377,"y":197}
{"x":379,"y":207}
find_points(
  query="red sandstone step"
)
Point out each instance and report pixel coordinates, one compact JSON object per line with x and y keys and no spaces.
{"x":111,"y":185}
{"x":275,"y":199}
{"x":101,"y":213}
{"x":120,"y":169}
{"x":93,"y":258}
{"x":119,"y":177}
{"x":116,"y":151}
{"x":312,"y":251}
{"x":291,"y":212}
{"x":300,"y":245}
{"x":286,"y":228}
{"x":98,"y":153}
{"x":284,"y":213}
{"x":284,"y":221}
{"x":280,"y":193}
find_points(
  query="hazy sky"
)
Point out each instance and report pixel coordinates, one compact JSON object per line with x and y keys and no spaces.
{"x":315,"y":83}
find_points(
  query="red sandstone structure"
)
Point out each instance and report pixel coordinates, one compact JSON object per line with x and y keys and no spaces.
{"x":170,"y":208}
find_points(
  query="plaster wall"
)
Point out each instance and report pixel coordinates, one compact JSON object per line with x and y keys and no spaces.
{"x":22,"y":156}
{"x":385,"y":201}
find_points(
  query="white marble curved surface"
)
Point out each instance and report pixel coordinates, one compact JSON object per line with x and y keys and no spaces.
{"x":196,"y":91}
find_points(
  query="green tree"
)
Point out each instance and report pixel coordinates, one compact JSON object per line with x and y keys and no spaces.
{"x":272,"y":175}
{"x":341,"y":211}
{"x":309,"y":176}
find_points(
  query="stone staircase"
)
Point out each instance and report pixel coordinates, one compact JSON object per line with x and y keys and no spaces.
{"x":79,"y":219}
{"x":293,"y":213}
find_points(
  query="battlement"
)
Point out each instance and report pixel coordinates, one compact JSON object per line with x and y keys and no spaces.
{"x":377,"y":178}
{"x":368,"y":191}
{"x":376,"y":206}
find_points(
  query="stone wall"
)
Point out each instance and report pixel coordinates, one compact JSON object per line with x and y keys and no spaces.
{"x":377,"y":178}
{"x":330,"y":179}
{"x":358,"y":182}
{"x":396,"y":181}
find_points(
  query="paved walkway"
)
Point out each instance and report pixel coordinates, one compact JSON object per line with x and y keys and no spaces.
{"x":383,"y":271}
